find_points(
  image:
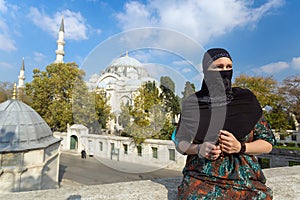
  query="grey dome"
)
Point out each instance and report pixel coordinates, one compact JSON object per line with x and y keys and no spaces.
{"x":22,"y":128}
{"x":126,"y":61}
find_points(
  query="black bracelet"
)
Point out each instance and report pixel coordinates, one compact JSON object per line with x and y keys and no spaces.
{"x":243,"y":148}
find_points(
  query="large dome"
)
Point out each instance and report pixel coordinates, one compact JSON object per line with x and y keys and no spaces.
{"x":126,"y":61}
{"x":22,"y":128}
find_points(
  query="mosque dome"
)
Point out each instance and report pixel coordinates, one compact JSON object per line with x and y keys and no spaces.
{"x":126,"y":61}
{"x":22,"y":128}
{"x":126,"y":65}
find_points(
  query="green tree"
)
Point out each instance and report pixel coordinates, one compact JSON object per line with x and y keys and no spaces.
{"x":167,"y":82}
{"x":125,"y":116}
{"x":168,"y":97}
{"x":103,"y":110}
{"x":266,"y":91}
{"x":189,"y":89}
{"x":147,"y":114}
{"x":51,"y":91}
{"x":6,"y":89}
{"x":290,"y":89}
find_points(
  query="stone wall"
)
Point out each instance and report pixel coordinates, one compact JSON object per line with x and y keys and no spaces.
{"x":30,"y":170}
{"x":285,"y":183}
{"x":282,"y":157}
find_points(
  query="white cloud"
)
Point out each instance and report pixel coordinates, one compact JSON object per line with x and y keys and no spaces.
{"x":39,"y":57}
{"x":181,"y":62}
{"x":3,"y":7}
{"x":5,"y":66}
{"x":75,"y":24}
{"x":272,"y":68}
{"x":201,"y":20}
{"x":296,"y":63}
{"x":186,"y":70}
{"x":6,"y":43}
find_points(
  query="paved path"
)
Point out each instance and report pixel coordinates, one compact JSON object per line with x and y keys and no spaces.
{"x":90,"y":171}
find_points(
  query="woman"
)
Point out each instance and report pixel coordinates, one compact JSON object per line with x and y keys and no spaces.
{"x":221,"y":129}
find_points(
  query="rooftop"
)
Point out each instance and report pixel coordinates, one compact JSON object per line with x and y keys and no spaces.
{"x":22,"y":128}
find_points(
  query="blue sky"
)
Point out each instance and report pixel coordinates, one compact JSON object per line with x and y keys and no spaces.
{"x":261,"y":35}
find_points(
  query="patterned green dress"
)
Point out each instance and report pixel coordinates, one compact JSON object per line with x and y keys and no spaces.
{"x":233,"y":176}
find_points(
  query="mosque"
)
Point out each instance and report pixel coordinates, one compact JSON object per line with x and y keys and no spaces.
{"x":120,"y":81}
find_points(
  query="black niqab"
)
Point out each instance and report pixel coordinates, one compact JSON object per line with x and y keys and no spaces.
{"x":205,"y":113}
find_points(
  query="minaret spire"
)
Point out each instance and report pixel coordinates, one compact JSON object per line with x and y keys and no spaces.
{"x":60,"y":43}
{"x":21,"y":77}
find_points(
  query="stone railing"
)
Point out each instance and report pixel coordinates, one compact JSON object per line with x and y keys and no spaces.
{"x":284,"y":181}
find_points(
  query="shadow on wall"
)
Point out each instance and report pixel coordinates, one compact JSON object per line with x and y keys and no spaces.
{"x":171,"y":184}
{"x":62,"y":170}
{"x":74,"y":197}
{"x":7,"y":138}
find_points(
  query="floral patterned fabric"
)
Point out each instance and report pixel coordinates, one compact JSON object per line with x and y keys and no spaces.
{"x":233,"y":176}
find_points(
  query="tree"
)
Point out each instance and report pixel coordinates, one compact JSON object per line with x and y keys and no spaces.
{"x":167,"y":82}
{"x":170,"y":101}
{"x":266,"y":91}
{"x":125,"y":116}
{"x":103,"y":110}
{"x":51,"y":91}
{"x":6,"y":89}
{"x":188,"y":90}
{"x":148,"y":116}
{"x":290,"y":89}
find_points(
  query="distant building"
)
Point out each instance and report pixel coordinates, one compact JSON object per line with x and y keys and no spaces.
{"x":29,"y":153}
{"x":120,"y":82}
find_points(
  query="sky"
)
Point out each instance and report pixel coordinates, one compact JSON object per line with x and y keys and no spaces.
{"x":169,"y":37}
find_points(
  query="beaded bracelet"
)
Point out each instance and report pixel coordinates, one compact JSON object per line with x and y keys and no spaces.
{"x":243,"y":148}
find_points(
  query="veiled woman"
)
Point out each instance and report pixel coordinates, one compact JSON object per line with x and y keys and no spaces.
{"x":221,"y":129}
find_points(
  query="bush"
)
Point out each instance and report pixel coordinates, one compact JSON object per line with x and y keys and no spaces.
{"x":290,"y":144}
{"x":279,"y":144}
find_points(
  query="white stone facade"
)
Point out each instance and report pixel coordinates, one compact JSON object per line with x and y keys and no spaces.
{"x":153,"y":152}
{"x":30,"y":170}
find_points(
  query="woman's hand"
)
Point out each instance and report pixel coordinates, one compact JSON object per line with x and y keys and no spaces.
{"x":209,"y":151}
{"x":229,"y":144}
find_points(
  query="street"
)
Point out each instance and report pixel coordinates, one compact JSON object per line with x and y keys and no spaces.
{"x":91,"y":171}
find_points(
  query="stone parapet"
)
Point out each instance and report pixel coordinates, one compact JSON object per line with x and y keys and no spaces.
{"x":284,"y":181}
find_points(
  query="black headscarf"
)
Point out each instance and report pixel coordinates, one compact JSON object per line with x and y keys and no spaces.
{"x":217,"y":106}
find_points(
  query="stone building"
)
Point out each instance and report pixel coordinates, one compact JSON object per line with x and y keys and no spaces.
{"x":120,"y":81}
{"x":29,"y":154}
{"x":152,"y":152}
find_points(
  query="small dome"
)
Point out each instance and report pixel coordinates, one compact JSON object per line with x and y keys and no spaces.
{"x":22,"y":128}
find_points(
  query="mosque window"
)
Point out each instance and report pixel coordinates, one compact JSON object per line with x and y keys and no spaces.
{"x":112,"y":146}
{"x":125,"y":146}
{"x":154,"y":152}
{"x":101,"y":146}
{"x":139,"y":150}
{"x":172,"y":154}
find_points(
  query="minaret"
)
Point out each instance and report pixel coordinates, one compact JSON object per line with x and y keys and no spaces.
{"x":21,"y":77}
{"x":60,"y":44}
